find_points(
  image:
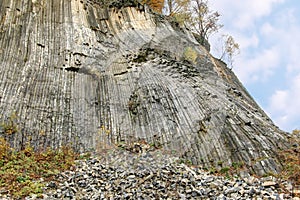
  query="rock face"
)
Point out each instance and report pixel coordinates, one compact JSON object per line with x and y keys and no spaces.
{"x":76,"y":73}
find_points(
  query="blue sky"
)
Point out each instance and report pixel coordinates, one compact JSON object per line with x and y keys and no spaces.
{"x":268,"y":32}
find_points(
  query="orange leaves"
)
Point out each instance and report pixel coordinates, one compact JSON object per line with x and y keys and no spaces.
{"x":156,"y":5}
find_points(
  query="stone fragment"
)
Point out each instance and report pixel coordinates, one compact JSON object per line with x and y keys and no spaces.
{"x":269,"y":184}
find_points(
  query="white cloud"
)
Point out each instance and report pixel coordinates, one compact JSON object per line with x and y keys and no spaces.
{"x":279,"y":101}
{"x":292,"y":50}
{"x":285,"y":106}
{"x":271,"y":44}
{"x":243,"y":14}
{"x":246,"y":42}
{"x":268,"y":32}
{"x":253,"y":67}
{"x":285,"y":34}
{"x":256,"y":61}
{"x":267,"y":29}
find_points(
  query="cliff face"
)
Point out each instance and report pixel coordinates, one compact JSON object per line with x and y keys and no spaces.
{"x":75,"y":73}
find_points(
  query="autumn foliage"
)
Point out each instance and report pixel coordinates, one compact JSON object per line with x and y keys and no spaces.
{"x":156,"y":5}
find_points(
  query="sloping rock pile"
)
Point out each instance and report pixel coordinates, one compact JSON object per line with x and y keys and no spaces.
{"x":122,"y":174}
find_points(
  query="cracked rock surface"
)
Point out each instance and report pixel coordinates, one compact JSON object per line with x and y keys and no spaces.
{"x":81,"y":74}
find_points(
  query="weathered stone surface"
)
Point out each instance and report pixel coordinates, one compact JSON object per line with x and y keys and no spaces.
{"x":78,"y":74}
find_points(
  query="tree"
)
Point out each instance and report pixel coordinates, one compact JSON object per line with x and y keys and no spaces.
{"x":229,"y":49}
{"x":204,"y":21}
{"x":175,"y":7}
{"x":196,"y":15}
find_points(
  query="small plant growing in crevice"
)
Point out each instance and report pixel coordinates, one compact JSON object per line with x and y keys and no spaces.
{"x":228,"y":171}
{"x":224,"y":170}
{"x":213,"y":170}
{"x":185,"y":161}
{"x":220,"y":163}
{"x":237,"y":165}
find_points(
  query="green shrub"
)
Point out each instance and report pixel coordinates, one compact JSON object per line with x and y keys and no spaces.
{"x":224,"y":170}
{"x":237,"y":165}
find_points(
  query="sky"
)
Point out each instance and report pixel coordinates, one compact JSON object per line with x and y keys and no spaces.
{"x":268,"y":32}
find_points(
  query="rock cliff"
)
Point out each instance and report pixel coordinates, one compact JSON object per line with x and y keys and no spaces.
{"x":77,"y":73}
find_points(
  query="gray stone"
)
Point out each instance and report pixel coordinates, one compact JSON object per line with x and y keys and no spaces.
{"x":131,"y":177}
{"x":232,"y":190}
{"x":209,"y":179}
{"x":269,"y":184}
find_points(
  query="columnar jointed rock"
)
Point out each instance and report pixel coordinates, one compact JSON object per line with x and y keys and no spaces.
{"x":77,"y":73}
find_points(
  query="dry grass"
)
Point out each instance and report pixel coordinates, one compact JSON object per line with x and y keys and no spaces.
{"x":23,"y":172}
{"x":291,"y":160}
